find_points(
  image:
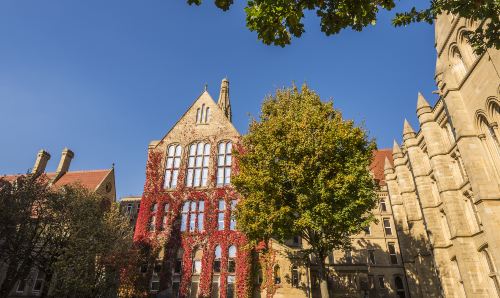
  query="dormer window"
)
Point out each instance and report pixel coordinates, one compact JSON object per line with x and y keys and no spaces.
{"x":202,"y":115}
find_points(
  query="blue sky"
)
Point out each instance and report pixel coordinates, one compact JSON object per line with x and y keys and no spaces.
{"x":106,"y":77}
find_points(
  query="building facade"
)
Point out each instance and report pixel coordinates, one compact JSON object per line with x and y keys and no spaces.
{"x":99,"y":181}
{"x":444,"y":184}
{"x":186,"y":220}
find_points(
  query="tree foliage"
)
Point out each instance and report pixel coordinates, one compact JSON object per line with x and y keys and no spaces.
{"x":77,"y":238}
{"x":304,"y":170}
{"x":277,"y":21}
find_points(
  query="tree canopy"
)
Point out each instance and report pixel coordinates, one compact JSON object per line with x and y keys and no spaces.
{"x":277,"y":21}
{"x":75,"y":237}
{"x":304,"y":170}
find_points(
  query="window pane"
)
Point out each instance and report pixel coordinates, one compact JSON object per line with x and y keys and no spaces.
{"x":191,"y":162}
{"x":227,"y":175}
{"x":220,"y":176}
{"x":192,"y":149}
{"x":229,"y":147}
{"x":177,"y":162}
{"x":205,"y":161}
{"x":174,"y":178}
{"x":170,"y":162}
{"x":198,"y":161}
{"x":199,"y":149}
{"x":178,"y":150}
{"x":189,"y":178}
{"x":222,"y":148}
{"x":171,"y":150}
{"x":193,"y":206}
{"x":192,"y":222}
{"x":218,"y":252}
{"x":165,"y":207}
{"x":232,"y":251}
{"x":185,"y":207}
{"x":207,"y":149}
{"x":201,"y":206}
{"x":222,"y":205}
{"x":220,"y":221}
{"x":183,"y":222}
{"x":200,"y":221}
{"x":168,"y":175}
{"x":228,"y":160}
{"x":197,"y":175}
{"x":220,"y":160}
{"x":204,"y":177}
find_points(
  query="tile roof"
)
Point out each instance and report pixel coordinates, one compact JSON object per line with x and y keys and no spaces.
{"x":89,"y":179}
{"x":377,"y":166}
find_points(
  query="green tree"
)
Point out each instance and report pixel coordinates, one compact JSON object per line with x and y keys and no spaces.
{"x":77,"y":238}
{"x":276,"y":21}
{"x":304,"y":170}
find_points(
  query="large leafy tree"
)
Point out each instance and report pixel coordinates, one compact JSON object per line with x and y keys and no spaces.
{"x":304,"y":170}
{"x":77,"y":238}
{"x":277,"y":21}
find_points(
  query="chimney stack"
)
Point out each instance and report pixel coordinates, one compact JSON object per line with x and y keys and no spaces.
{"x":66,"y":157}
{"x":41,"y":162}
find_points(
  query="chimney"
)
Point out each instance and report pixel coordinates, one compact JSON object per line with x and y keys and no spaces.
{"x":41,"y":162}
{"x":66,"y":157}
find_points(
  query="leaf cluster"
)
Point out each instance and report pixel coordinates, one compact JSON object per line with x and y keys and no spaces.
{"x":277,"y":21}
{"x":304,"y":170}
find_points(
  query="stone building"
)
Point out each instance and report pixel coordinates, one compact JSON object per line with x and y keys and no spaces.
{"x":130,"y":207}
{"x":100,"y":181}
{"x":444,"y":185}
{"x":185,"y":218}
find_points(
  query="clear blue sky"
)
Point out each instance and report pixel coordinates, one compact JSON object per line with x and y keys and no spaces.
{"x":106,"y":77}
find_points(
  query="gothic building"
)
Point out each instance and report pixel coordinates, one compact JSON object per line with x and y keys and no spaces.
{"x":444,"y":183}
{"x":186,"y":219}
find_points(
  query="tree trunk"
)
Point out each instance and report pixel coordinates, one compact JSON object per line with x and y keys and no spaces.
{"x":323,"y":278}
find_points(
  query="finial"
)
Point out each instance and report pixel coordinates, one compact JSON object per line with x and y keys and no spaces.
{"x":421,"y":101}
{"x":113,"y":165}
{"x":407,"y":128}
{"x":206,"y":87}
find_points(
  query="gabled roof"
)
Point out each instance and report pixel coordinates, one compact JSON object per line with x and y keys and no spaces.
{"x":377,"y":166}
{"x":89,"y":179}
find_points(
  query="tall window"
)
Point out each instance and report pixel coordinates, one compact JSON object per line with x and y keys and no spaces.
{"x":232,"y":218}
{"x":381,"y":282}
{"x":371,"y":256}
{"x":392,"y":252}
{"x":197,"y":173}
{"x":172,"y":167}
{"x":152,"y":219}
{"x":383,"y":207}
{"x":155,"y":278}
{"x":295,"y":276}
{"x":224,"y":163}
{"x":192,"y":213}
{"x":277,"y":275}
{"x":165,"y":216}
{"x":231,"y":263}
{"x":195,"y":277}
{"x":458,"y":66}
{"x":220,"y":215}
{"x":218,"y":256}
{"x":38,"y":284}
{"x":490,"y":271}
{"x":387,"y":226}
{"x":400,"y":288}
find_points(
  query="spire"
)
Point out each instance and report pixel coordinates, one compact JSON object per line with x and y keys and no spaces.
{"x":224,"y":102}
{"x":422,"y":105}
{"x":396,"y":148}
{"x":407,"y":128}
{"x":387,"y":165}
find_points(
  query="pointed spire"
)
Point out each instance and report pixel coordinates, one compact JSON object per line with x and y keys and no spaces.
{"x":396,"y":148}
{"x":422,"y":105}
{"x":387,"y":164}
{"x":224,"y":103}
{"x":407,"y":127}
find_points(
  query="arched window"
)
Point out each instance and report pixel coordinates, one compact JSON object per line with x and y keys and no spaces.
{"x":466,"y":49}
{"x":198,"y":115}
{"x":489,"y":269}
{"x":490,"y":143}
{"x":457,"y":63}
{"x":152,"y":223}
{"x":197,"y":256}
{"x":218,"y":256}
{"x":184,"y":215}
{"x":220,"y":214}
{"x":197,"y":173}
{"x":295,"y":276}
{"x":224,"y":163}
{"x":172,"y":166}
{"x":231,"y":259}
{"x":154,"y":207}
{"x":277,"y":275}
{"x":400,"y":288}
{"x":207,"y":114}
